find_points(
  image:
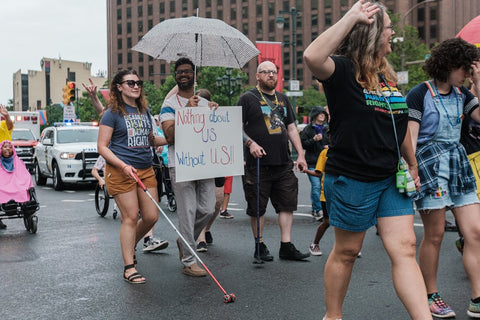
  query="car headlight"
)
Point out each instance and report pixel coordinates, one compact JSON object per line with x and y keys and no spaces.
{"x":67,"y":155}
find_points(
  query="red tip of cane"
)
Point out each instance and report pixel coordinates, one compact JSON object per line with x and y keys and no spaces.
{"x":229,"y":298}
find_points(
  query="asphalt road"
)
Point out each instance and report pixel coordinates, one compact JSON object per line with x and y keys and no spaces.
{"x":72,"y":269}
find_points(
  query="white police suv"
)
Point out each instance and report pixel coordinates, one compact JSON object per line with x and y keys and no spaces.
{"x":66,"y":153}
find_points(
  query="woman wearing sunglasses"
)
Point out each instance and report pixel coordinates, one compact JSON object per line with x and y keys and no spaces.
{"x":124,"y":140}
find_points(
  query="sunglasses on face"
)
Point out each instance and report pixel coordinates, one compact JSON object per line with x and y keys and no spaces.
{"x":179,"y":72}
{"x":132,"y":83}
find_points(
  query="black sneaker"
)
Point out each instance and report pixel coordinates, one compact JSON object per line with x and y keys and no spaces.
{"x":289,"y":252}
{"x":2,"y":225}
{"x":208,"y":237}
{"x":202,"y":247}
{"x":449,"y":226}
{"x":264,"y":253}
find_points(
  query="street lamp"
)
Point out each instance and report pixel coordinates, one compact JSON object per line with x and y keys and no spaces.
{"x":229,"y":85}
{"x":402,"y":39}
{"x":280,"y":21}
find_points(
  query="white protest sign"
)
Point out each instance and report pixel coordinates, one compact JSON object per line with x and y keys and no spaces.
{"x":69,"y":113}
{"x":208,"y":143}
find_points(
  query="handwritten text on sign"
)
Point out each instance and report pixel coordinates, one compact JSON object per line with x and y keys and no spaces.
{"x":208,"y":143}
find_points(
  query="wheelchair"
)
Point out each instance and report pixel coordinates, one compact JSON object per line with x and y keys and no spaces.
{"x":102,"y":202}
{"x":25,"y":210}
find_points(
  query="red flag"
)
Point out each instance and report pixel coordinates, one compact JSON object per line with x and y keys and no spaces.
{"x":272,"y":51}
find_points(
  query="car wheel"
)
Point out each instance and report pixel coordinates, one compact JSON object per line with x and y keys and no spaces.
{"x":40,"y":179}
{"x":57,"y":178}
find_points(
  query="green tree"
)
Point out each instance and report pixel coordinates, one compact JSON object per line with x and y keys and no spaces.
{"x":311,"y":97}
{"x":415,"y":53}
{"x":154,"y":97}
{"x":54,"y":114}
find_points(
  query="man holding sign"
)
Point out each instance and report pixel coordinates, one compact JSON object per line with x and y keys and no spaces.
{"x":195,"y":199}
{"x":269,"y":123}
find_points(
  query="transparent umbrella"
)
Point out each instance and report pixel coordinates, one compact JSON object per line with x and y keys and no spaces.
{"x":207,"y":42}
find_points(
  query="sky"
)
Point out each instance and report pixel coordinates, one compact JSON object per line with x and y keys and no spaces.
{"x":74,"y":30}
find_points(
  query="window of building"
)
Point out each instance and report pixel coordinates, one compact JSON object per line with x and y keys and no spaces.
{"x":299,"y":40}
{"x":150,"y":10}
{"x":271,"y":26}
{"x":129,"y":43}
{"x":162,"y":7}
{"x":129,"y":57}
{"x":140,"y":71}
{"x":314,"y":20}
{"x":286,"y":57}
{"x":299,"y":57}
{"x":150,"y":24}
{"x":208,"y":3}
{"x":245,"y":28}
{"x":300,"y":73}
{"x":314,"y":35}
{"x":433,"y":13}
{"x":172,"y":6}
{"x":220,"y":14}
{"x":328,"y":19}
{"x":129,"y":1}
{"x":233,"y":13}
{"x":219,"y":2}
{"x":208,"y":14}
{"x":119,"y":2}
{"x":299,"y":5}
{"x":259,"y":10}
{"x":286,"y":73}
{"x":119,"y":58}
{"x":140,"y":57}
{"x":271,"y":9}
{"x":150,"y":58}
{"x":119,"y":44}
{"x":421,"y":14}
{"x":150,"y":70}
{"x":162,"y":68}
{"x":328,"y":4}
{"x":433,"y":32}
{"x":286,"y":38}
{"x":140,"y":26}
{"x":343,"y":3}
{"x":129,"y":27}
{"x":244,"y":13}
{"x":195,"y":4}
{"x":129,"y":12}
{"x":299,"y":23}
{"x":140,"y":11}
{"x":119,"y":14}
{"x":286,"y":5}
{"x":184,"y":5}
{"x":119,"y":28}
{"x":259,"y":29}
{"x":421,"y":32}
{"x":314,"y":5}
{"x":232,"y":2}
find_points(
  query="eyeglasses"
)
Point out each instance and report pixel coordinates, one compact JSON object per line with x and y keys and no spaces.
{"x":391,"y":27}
{"x":187,"y":71}
{"x":132,"y":83}
{"x":268,"y":72}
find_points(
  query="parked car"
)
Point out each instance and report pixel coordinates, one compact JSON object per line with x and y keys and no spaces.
{"x":25,"y":142}
{"x":66,"y":153}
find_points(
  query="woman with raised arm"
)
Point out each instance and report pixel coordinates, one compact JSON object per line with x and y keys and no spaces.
{"x":368,"y":123}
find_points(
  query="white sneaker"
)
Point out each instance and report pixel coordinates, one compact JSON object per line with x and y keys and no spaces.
{"x":315,"y":250}
{"x":154,"y":245}
{"x":359,"y":254}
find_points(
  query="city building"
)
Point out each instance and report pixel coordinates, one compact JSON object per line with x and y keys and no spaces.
{"x":129,"y":20}
{"x":32,"y":90}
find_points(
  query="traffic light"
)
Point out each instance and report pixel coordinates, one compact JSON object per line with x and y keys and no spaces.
{"x":65,"y":95}
{"x":70,"y":91}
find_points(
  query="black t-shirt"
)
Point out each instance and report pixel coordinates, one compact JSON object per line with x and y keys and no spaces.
{"x":362,"y":145}
{"x":266,"y":125}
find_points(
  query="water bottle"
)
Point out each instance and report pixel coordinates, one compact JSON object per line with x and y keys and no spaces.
{"x":410,"y":187}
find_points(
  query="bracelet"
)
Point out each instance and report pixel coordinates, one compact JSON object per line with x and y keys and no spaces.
{"x":249,"y":142}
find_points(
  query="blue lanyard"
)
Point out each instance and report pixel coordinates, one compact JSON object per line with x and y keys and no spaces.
{"x":453,"y":124}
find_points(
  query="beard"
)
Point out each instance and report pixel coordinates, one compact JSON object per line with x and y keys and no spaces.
{"x":186,"y":85}
{"x":267,"y":85}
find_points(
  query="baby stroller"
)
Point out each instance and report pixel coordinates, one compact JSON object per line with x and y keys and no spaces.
{"x":164,"y":184}
{"x":17,"y":194}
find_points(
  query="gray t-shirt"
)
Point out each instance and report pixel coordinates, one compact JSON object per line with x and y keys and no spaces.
{"x":130,"y":136}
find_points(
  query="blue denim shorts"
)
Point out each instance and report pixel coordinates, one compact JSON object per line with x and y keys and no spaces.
{"x":355,"y":205}
{"x":442,"y":197}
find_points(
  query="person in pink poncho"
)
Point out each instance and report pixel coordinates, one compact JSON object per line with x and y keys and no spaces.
{"x":16,"y":180}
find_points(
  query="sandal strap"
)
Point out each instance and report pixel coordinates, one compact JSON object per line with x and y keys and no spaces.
{"x":130,"y":266}
{"x":134,"y":276}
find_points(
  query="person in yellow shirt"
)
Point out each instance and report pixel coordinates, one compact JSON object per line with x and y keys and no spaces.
{"x":6,"y":128}
{"x":6,"y":125}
